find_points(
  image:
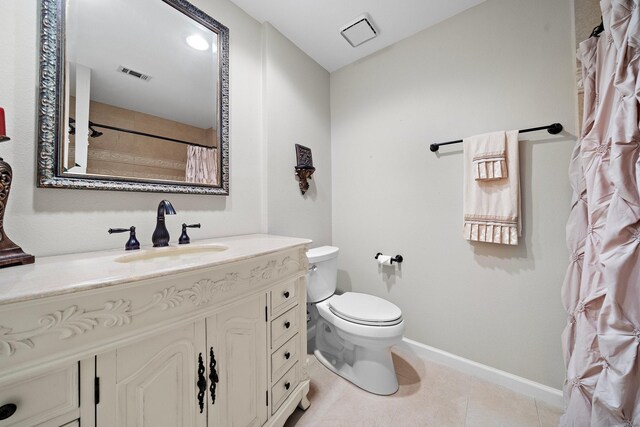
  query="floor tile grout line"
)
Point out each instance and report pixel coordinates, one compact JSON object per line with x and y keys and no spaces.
{"x":466,"y":412}
{"x":538,"y":411}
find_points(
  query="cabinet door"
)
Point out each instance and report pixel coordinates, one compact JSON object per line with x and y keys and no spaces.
{"x":238,"y":338}
{"x":153,"y":382}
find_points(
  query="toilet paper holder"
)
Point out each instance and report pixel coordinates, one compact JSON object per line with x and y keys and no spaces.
{"x":397,"y":258}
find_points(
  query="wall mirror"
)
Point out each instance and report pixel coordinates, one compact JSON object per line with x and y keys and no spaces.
{"x":134,"y":96}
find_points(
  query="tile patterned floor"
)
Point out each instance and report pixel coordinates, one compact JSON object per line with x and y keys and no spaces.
{"x":429,"y":395}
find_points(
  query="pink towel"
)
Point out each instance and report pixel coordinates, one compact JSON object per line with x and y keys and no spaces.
{"x":492,"y":207}
{"x":489,"y":158}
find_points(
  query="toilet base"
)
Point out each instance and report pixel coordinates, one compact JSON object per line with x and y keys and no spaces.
{"x":371,"y":369}
{"x":375,"y":376}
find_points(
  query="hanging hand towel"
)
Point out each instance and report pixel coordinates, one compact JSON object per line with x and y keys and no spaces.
{"x":492,"y":207}
{"x":489,"y":159}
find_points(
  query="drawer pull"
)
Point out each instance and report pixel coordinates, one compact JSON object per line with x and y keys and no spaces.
{"x":286,"y":294}
{"x":287,"y":385}
{"x":287,"y":355}
{"x":287,"y":324}
{"x":7,"y":410}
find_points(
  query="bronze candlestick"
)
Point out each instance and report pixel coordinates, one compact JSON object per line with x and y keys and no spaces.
{"x":10,"y":253}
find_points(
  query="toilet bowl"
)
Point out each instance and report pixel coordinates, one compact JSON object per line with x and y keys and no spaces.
{"x":354,"y":332}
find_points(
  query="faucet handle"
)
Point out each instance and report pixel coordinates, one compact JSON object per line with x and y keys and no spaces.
{"x":132,"y":243}
{"x":184,"y":238}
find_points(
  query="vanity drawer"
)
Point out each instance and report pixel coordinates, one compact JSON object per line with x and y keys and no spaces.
{"x":40,"y":398}
{"x":283,"y":295}
{"x":284,"y":358}
{"x":284,"y":327}
{"x":283,"y":388}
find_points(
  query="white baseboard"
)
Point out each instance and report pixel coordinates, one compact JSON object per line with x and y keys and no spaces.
{"x":518,"y":384}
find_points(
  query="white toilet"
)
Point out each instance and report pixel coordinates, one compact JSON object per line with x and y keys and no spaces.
{"x":353,"y":332}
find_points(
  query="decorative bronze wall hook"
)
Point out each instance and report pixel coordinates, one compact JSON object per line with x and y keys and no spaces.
{"x":304,"y":173}
{"x":304,"y":168}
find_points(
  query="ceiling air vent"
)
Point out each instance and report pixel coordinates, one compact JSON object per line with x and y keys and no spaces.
{"x":359,"y":31}
{"x":134,"y":73}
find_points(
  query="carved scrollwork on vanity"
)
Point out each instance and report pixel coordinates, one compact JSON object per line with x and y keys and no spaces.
{"x":204,"y":291}
{"x":74,"y":320}
{"x":66,"y":323}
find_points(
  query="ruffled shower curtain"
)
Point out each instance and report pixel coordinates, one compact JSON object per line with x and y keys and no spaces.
{"x":202,"y":167}
{"x":601,"y":292}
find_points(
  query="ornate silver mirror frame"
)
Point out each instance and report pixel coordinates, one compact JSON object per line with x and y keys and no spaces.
{"x":51,"y":107}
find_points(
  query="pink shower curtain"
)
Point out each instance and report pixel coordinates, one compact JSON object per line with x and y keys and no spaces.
{"x":202,"y":167}
{"x":601,"y":292}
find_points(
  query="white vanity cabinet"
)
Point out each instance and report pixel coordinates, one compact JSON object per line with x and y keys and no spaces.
{"x":151,"y":382}
{"x":221,"y":344}
{"x":47,"y":398}
{"x":237,"y":351}
{"x":217,"y":365}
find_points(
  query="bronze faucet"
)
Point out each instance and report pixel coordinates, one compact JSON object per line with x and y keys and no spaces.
{"x":161,"y":234}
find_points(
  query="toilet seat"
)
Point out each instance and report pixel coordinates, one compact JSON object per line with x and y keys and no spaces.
{"x":364,"y":309}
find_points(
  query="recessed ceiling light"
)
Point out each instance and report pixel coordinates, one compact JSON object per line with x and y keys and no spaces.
{"x":197,"y":42}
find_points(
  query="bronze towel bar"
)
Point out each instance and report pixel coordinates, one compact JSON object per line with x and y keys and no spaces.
{"x":553,"y":129}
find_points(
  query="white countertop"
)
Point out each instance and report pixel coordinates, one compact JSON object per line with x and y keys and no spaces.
{"x":63,"y":274}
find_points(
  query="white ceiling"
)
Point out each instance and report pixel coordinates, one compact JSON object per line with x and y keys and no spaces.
{"x":148,"y":36}
{"x":313,"y":25}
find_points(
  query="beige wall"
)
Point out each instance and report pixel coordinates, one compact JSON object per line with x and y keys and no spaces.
{"x":50,"y":221}
{"x":117,"y":153}
{"x":297,"y":107}
{"x":504,"y":64}
{"x":587,"y":16}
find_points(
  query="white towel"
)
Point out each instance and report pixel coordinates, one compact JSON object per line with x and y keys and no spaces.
{"x":489,"y":159}
{"x":492,"y":207}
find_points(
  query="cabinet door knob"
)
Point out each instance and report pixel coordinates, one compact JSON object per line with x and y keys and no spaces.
{"x":7,"y":410}
{"x":287,"y":324}
{"x":287,"y":355}
{"x":287,"y":385}
{"x":286,"y":294}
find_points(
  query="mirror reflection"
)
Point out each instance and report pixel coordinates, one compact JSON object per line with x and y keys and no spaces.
{"x":142,"y":94}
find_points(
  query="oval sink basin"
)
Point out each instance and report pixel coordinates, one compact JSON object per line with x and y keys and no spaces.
{"x":177,"y":253}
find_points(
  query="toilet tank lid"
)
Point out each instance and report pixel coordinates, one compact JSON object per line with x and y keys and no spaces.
{"x":322,"y":253}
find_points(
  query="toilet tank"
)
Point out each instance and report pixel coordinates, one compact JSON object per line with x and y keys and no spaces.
{"x":323,"y":273}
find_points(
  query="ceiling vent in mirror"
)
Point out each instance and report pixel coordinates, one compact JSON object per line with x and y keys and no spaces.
{"x":134,"y":73}
{"x":359,"y":30}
